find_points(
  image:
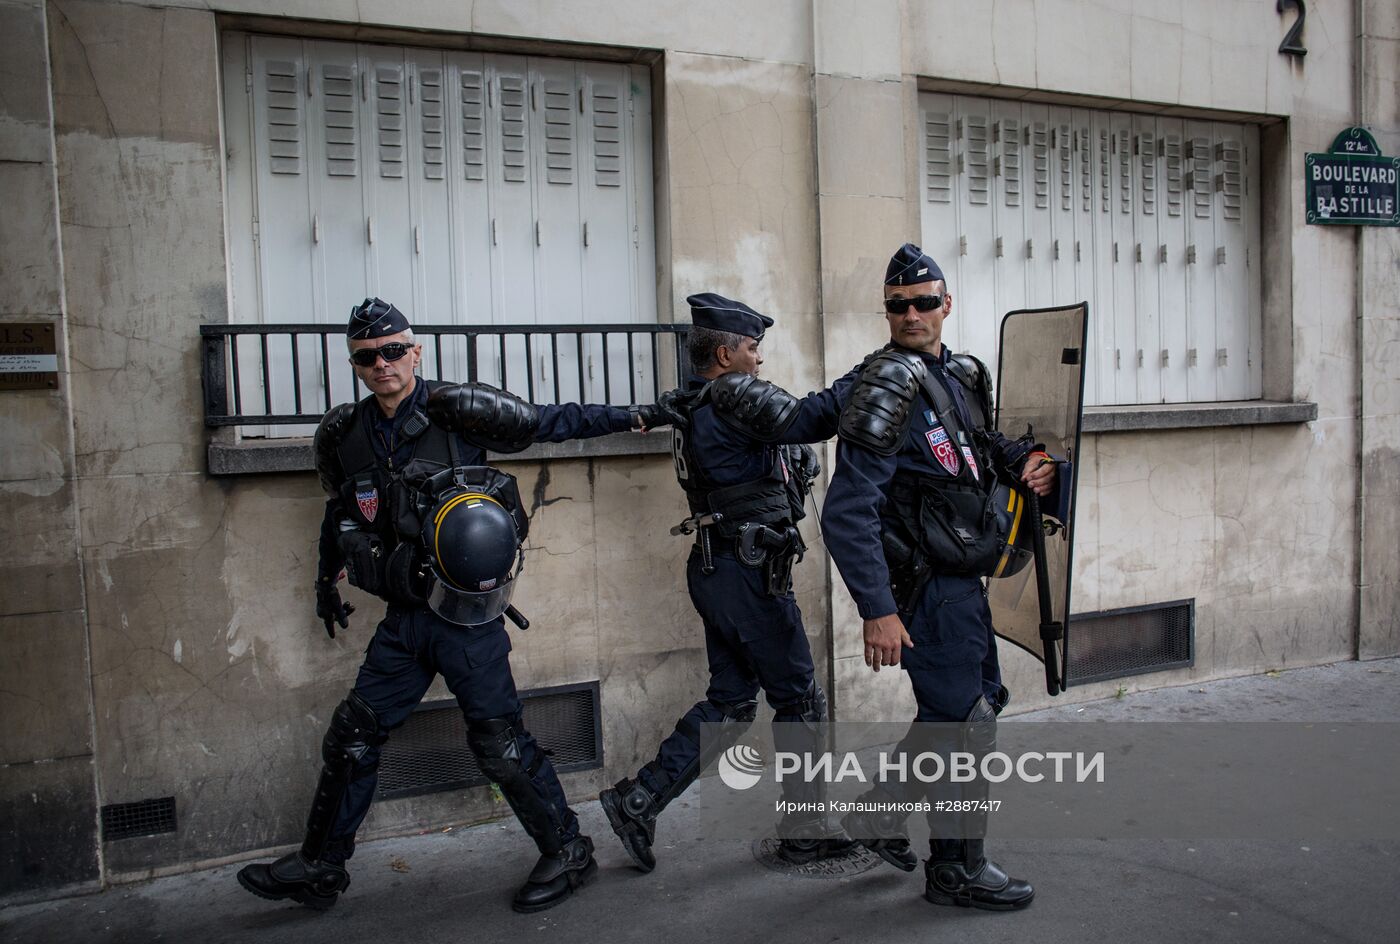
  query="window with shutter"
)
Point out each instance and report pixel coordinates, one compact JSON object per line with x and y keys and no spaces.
{"x":468,"y":188}
{"x":1153,"y":220}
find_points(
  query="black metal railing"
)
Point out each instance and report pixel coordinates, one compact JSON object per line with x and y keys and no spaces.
{"x":289,"y":374}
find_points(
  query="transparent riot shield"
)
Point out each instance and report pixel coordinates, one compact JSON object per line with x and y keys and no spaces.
{"x":1040,"y":392}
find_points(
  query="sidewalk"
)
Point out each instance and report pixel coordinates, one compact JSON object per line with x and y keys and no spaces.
{"x":456,"y":886}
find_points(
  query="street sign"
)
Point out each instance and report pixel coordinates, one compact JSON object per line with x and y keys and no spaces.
{"x":1353,"y":184}
{"x":28,"y":356}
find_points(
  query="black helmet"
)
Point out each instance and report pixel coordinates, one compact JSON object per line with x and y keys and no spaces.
{"x":1014,"y":525}
{"x":473,"y":545}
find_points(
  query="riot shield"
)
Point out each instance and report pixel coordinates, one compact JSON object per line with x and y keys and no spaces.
{"x":1040,"y":392}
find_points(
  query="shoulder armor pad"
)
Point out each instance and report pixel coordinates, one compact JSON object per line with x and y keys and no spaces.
{"x":973,"y":375}
{"x":969,"y":370}
{"x":882,"y":402}
{"x":491,"y":418}
{"x":329,"y":435}
{"x":755,"y":407}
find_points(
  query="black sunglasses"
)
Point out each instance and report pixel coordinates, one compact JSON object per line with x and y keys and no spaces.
{"x":898,"y":306}
{"x":366,"y":356}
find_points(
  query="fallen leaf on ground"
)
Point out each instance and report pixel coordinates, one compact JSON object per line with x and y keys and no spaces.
{"x":398,"y":865}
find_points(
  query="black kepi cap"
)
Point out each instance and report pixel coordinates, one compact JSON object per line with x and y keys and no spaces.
{"x":374,"y":318}
{"x":708,"y":310}
{"x":910,"y":266}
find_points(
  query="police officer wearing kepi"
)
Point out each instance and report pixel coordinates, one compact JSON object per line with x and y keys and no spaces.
{"x":736,"y":444}
{"x":416,"y":517}
{"x":907,"y":521}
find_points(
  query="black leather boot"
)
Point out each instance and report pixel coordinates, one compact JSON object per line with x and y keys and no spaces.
{"x":556,"y":875}
{"x":314,"y":884}
{"x":632,"y":811}
{"x":807,"y":840}
{"x":884,"y":835}
{"x":959,"y":874}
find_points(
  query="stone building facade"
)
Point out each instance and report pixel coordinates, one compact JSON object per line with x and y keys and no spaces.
{"x":155,"y":604}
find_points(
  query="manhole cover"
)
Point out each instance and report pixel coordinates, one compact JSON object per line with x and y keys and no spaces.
{"x":858,"y":860}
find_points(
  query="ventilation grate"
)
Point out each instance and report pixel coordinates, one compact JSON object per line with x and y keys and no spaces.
{"x":1131,"y":641}
{"x":142,"y":818}
{"x":429,"y":754}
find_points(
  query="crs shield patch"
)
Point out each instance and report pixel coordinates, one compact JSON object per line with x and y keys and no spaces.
{"x":942,"y":448}
{"x":368,"y":500}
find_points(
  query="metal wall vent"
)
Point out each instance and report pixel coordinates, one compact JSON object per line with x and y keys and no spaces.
{"x":142,"y":818}
{"x":429,"y":753}
{"x":1131,"y":641}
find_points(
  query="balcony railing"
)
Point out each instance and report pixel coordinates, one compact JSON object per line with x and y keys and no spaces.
{"x":288,"y":375}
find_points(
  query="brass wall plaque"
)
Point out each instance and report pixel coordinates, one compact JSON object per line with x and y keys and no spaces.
{"x":28,"y":356}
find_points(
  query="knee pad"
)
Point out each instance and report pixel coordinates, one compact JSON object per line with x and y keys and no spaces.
{"x":496,"y":743}
{"x":737,"y":713}
{"x":354,"y":731}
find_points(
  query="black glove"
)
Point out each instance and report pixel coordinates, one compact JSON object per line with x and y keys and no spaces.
{"x":330,"y":607}
{"x":652,"y":415}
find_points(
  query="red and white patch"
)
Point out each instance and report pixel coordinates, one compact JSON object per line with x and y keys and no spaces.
{"x":943,"y":449}
{"x":971,"y":462}
{"x":368,"y":500}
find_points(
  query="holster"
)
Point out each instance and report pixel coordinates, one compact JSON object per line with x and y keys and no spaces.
{"x":909,"y":570}
{"x":366,"y":560}
{"x":774,"y":550}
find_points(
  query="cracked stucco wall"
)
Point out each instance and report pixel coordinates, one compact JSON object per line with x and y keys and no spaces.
{"x":1378,"y":272}
{"x":47,"y":810}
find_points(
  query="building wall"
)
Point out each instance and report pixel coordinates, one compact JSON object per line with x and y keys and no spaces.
{"x":160,"y":620}
{"x":48,"y":809}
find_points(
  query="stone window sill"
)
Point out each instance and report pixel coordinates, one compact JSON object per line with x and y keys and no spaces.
{"x":252,"y":456}
{"x":1121,"y":419}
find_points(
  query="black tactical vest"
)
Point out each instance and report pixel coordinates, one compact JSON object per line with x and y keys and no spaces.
{"x":389,"y":502}
{"x":948,"y":525}
{"x":776,"y":498}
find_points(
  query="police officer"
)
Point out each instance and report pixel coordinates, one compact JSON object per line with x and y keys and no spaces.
{"x":381,"y":461}
{"x":735,"y":444}
{"x":906,"y":522}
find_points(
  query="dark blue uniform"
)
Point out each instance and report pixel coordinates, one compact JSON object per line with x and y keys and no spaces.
{"x":753,"y":640}
{"x":412,"y":644}
{"x":954,"y":659}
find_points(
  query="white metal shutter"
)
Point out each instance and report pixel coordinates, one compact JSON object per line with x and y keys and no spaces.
{"x":1153,"y":221}
{"x":466,"y":188}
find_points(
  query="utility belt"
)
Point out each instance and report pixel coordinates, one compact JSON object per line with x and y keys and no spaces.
{"x":935,"y":525}
{"x":773,"y":548}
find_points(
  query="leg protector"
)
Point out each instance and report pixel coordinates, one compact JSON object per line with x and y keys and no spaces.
{"x":632,"y":806}
{"x":511,"y":759}
{"x":804,"y":834}
{"x":349,"y":751}
{"x":734,"y":720}
{"x":881,"y":828}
